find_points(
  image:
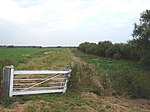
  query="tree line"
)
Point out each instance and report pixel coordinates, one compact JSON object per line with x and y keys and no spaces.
{"x":12,"y":46}
{"x":108,"y":49}
{"x":137,"y":49}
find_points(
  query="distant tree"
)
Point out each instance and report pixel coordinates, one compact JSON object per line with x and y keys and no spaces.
{"x":10,"y":46}
{"x":109,"y":52}
{"x":103,"y":46}
{"x":117,"y":56}
{"x":124,"y":50}
{"x":133,"y":49}
{"x":141,"y":35}
{"x":83,"y":46}
{"x":91,"y":48}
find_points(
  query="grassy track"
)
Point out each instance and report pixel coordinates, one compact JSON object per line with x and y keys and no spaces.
{"x":49,"y":59}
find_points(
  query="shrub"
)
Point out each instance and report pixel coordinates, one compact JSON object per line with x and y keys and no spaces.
{"x":145,"y":59}
{"x":134,"y":84}
{"x":117,"y":56}
{"x":109,"y":52}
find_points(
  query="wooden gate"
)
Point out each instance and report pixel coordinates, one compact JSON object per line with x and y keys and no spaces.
{"x":22,"y":82}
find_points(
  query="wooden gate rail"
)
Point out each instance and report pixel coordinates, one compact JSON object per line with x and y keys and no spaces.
{"x":55,"y":82}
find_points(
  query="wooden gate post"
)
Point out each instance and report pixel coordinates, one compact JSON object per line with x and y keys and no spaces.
{"x":7,"y":81}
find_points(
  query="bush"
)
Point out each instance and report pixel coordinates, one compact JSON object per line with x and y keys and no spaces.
{"x":145,"y":59}
{"x":134,"y":84}
{"x":117,"y":56}
{"x":109,"y":52}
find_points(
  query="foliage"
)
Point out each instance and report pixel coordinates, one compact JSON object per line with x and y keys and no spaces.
{"x":133,"y":83}
{"x":107,"y":49}
{"x":116,"y":56}
{"x":102,"y":47}
{"x":121,"y":77}
{"x":141,"y":35}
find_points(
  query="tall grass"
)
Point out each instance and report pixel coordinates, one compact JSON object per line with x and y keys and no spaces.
{"x":84,"y":77}
{"x":122,"y":77}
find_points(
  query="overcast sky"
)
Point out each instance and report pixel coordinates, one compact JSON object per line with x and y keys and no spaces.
{"x":68,"y":22}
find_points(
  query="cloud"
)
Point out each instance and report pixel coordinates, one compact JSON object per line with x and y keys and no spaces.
{"x":69,"y":13}
{"x":32,"y":19}
{"x":29,"y":3}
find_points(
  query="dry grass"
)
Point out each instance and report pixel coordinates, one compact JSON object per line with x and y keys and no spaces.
{"x":30,"y":106}
{"x":121,"y":104}
{"x":117,"y":104}
{"x":91,"y":103}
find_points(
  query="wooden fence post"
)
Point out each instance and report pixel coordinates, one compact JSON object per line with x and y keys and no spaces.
{"x":7,"y":81}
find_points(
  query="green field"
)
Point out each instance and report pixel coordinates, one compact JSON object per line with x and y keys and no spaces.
{"x":86,"y":87}
{"x":21,"y":57}
{"x":10,"y":56}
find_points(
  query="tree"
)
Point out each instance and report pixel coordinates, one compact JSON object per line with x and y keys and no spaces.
{"x":103,"y":46}
{"x":83,"y":46}
{"x":141,"y":35}
{"x":91,"y":48}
